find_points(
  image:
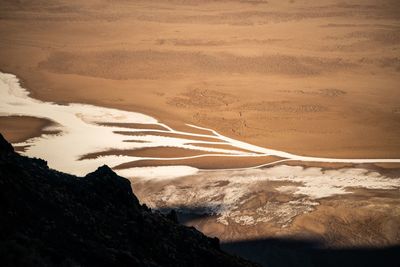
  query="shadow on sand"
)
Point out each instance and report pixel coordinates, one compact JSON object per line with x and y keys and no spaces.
{"x":281,"y":252}
{"x":286,"y":252}
{"x":186,"y":214}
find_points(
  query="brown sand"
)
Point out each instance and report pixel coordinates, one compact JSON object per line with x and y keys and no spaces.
{"x":307,"y":77}
{"x":134,"y":125}
{"x":155,"y":152}
{"x":18,"y":129}
{"x":168,"y":134}
{"x":388,"y":169}
{"x":223,"y":146}
{"x":208,"y":162}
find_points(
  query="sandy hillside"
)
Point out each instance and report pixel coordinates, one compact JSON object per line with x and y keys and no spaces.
{"x":309,"y":77}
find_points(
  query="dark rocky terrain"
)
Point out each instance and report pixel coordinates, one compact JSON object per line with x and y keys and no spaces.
{"x":49,"y":218}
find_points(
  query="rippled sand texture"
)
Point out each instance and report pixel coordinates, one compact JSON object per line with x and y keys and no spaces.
{"x":316,"y":78}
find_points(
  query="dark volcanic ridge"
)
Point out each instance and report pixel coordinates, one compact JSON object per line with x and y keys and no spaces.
{"x":49,"y":218}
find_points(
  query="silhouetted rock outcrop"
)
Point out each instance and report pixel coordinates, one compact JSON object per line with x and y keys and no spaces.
{"x":50,"y":218}
{"x":5,"y":147}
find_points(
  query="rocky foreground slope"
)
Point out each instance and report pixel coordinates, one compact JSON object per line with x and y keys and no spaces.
{"x":50,"y":218}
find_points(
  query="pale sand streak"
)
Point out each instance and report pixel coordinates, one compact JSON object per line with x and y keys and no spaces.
{"x":81,"y":134}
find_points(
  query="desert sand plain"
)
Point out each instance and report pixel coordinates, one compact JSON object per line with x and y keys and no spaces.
{"x":309,"y":77}
{"x":312,"y":78}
